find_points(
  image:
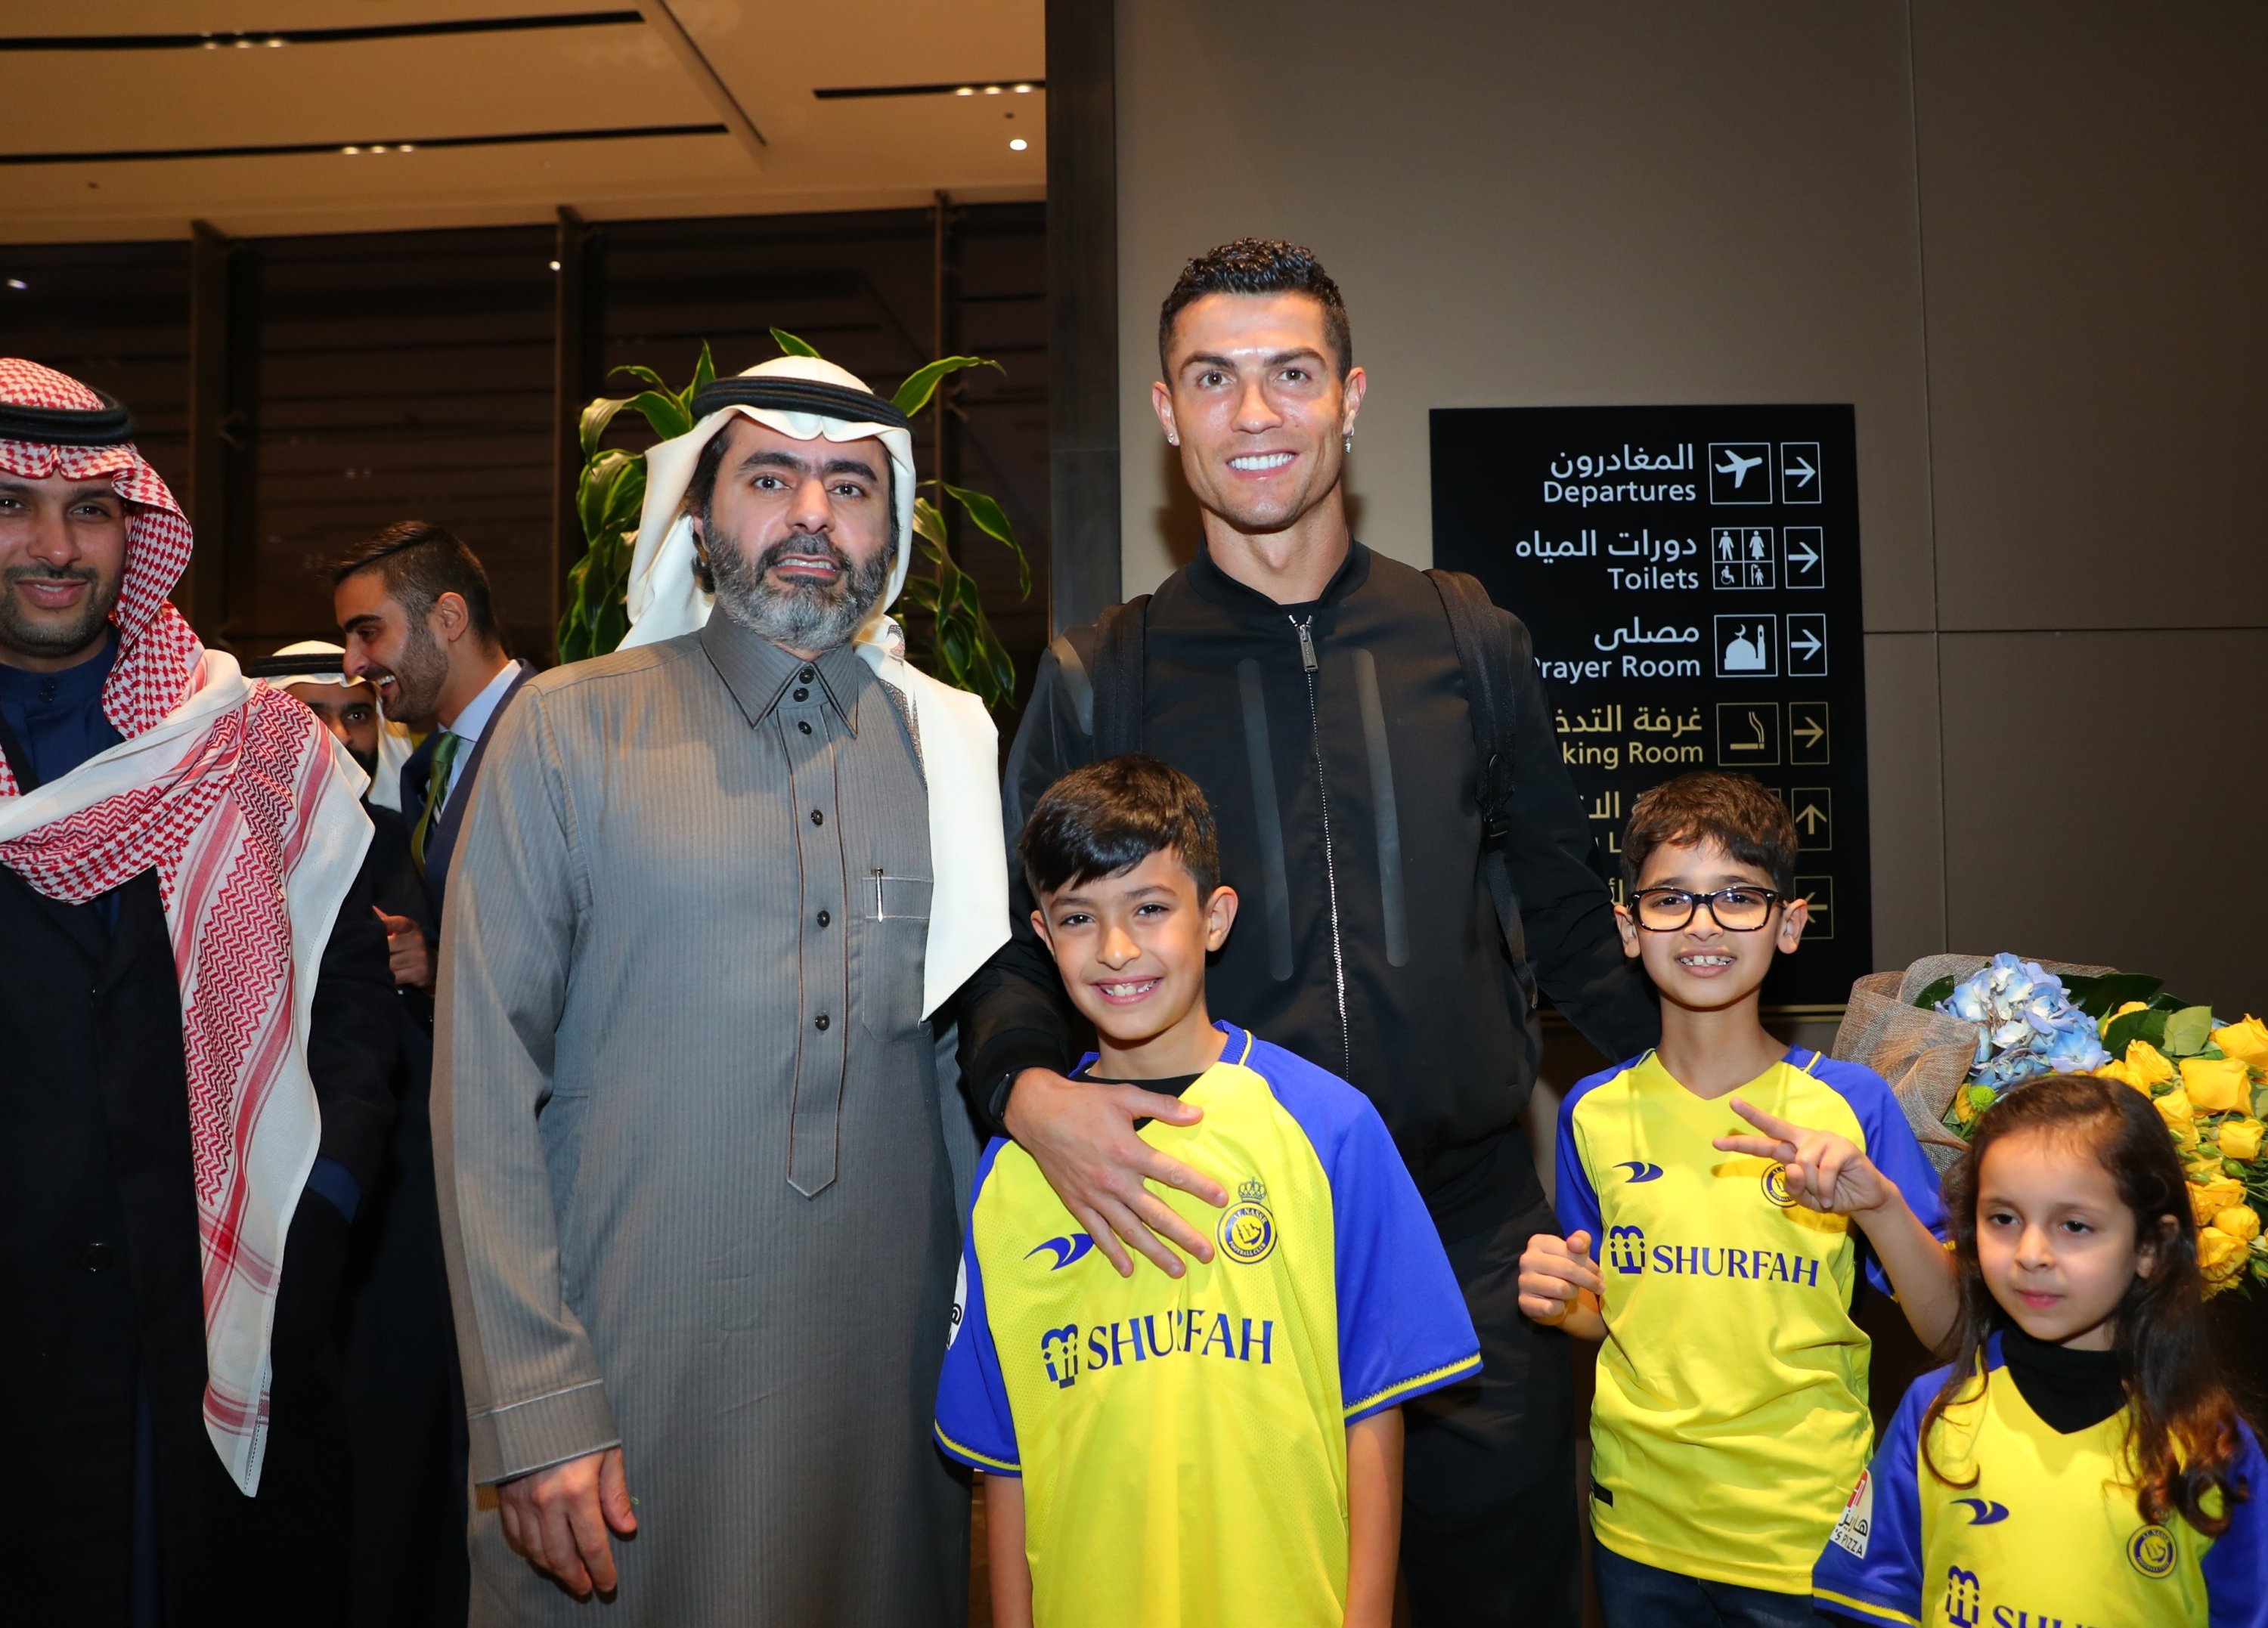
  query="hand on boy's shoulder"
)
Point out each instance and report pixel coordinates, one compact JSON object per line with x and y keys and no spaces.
{"x":1823,"y":1171}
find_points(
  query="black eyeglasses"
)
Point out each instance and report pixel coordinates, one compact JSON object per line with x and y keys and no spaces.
{"x":1735,"y":909}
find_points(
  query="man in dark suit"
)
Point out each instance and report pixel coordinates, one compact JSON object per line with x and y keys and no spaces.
{"x":196,"y":1035}
{"x":413,"y":605}
{"x":406,"y":1566}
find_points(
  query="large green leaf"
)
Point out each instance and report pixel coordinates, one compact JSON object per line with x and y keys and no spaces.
{"x":1927,"y":998}
{"x":704,"y":374}
{"x":2147,"y":1025}
{"x":993,"y":520}
{"x":789,"y":345}
{"x":2100,"y":996}
{"x":929,"y":522}
{"x":2187,"y":1031}
{"x":664,"y":412}
{"x":921,"y":385}
{"x":644,"y":375}
{"x":595,"y":493}
{"x":597,"y":415}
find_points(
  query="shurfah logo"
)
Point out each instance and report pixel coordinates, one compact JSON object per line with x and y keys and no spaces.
{"x":1641,"y":1170}
{"x":1059,"y":1349}
{"x":1857,"y":1520}
{"x":1981,"y":1511}
{"x":2152,"y":1551}
{"x":1963,"y":1598}
{"x":1248,"y":1232}
{"x":1626,"y":1250}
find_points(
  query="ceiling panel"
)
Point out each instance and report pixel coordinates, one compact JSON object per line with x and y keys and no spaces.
{"x":768,"y":58}
{"x":476,"y":85}
{"x":189,"y":16}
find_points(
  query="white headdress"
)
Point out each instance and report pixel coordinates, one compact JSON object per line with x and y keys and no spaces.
{"x":318,"y":661}
{"x":809,"y":399}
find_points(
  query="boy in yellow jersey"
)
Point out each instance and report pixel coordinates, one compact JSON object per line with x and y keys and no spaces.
{"x":1222,"y":1447}
{"x":1730,"y":1420}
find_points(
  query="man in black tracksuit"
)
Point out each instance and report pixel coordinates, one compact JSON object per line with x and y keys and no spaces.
{"x":1314,"y":688}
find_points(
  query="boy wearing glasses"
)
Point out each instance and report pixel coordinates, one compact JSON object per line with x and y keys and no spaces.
{"x":1718,"y":1259}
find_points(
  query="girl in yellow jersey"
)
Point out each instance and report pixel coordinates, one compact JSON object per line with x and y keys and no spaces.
{"x":2079,"y":1464}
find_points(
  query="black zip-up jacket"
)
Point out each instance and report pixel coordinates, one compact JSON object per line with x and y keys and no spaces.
{"x":1366,"y":938}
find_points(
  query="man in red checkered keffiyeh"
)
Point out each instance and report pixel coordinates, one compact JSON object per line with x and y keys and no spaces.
{"x":194,"y":1038}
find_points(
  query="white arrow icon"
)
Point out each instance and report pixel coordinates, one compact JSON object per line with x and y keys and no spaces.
{"x":1801,"y":551}
{"x":1803,"y":464}
{"x":1807,"y":641}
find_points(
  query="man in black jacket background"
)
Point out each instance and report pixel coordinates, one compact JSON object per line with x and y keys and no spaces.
{"x":1314,"y":689}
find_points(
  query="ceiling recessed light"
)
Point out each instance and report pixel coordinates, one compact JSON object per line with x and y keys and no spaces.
{"x":1018,"y":145}
{"x":965,"y":90}
{"x":992,"y":89}
{"x":275,"y":42}
{"x":379,"y":147}
{"x":18,"y":283}
{"x":407,"y":147}
{"x":1023,"y":89}
{"x":349,"y":150}
{"x":554,"y":265}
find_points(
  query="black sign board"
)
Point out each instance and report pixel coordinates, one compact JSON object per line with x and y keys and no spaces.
{"x":1690,"y":577}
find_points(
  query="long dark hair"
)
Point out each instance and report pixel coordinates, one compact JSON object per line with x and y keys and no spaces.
{"x":2183,"y":1439}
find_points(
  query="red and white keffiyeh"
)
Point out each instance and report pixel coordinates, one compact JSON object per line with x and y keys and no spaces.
{"x":238,"y":799}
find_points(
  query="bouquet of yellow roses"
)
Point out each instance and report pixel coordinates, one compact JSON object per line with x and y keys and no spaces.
{"x":2207,"y":1080}
{"x":2210,"y":1082}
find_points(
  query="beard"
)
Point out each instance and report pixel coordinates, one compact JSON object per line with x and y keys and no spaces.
{"x":417,"y":678}
{"x":27,"y":636}
{"x":802,"y":615}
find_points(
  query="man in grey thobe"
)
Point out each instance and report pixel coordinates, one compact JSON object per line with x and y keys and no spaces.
{"x":695,"y":1181}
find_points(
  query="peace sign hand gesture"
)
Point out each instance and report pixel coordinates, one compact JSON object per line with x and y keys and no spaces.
{"x":1823,"y":1171}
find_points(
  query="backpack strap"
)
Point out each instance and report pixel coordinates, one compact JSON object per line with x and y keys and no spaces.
{"x":1118,"y":677}
{"x":1485,"y":657}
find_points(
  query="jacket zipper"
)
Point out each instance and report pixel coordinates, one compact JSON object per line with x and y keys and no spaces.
{"x":1310,"y":666}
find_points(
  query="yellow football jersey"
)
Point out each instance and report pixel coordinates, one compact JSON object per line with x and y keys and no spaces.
{"x":1730,"y":1418}
{"x":2046,"y":1533}
{"x":1182,"y":1441}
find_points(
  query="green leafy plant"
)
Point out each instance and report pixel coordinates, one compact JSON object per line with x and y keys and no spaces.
{"x":949,"y":636}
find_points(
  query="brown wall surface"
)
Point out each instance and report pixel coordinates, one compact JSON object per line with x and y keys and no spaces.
{"x":2026,"y":241}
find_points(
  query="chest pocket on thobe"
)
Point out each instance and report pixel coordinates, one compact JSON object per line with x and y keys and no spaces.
{"x":893,"y":915}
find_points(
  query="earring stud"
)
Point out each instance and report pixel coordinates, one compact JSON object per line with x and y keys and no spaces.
{"x":1346,"y":443}
{"x":1172,"y":441}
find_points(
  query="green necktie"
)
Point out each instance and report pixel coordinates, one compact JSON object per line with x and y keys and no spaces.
{"x":437,"y":788}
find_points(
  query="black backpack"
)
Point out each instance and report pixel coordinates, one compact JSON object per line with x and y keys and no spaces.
{"x":1485,"y":654}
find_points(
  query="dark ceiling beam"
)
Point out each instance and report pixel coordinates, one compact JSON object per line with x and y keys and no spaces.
{"x":263,"y":39}
{"x":1082,"y":309}
{"x":385,"y":149}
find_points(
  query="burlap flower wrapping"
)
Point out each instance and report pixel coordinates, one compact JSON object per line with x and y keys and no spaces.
{"x":1925,"y":1055}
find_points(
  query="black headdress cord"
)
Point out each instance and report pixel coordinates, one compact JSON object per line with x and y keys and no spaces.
{"x":107,"y":425}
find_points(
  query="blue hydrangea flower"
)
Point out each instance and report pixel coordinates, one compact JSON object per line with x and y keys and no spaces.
{"x":2025,"y":1024}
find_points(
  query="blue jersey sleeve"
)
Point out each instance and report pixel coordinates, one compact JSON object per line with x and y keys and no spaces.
{"x":1871,"y":1569}
{"x":1893,"y":1148}
{"x":1575,"y":1196}
{"x":974,"y":1423}
{"x":2236,"y":1566}
{"x":1404,"y":1329}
